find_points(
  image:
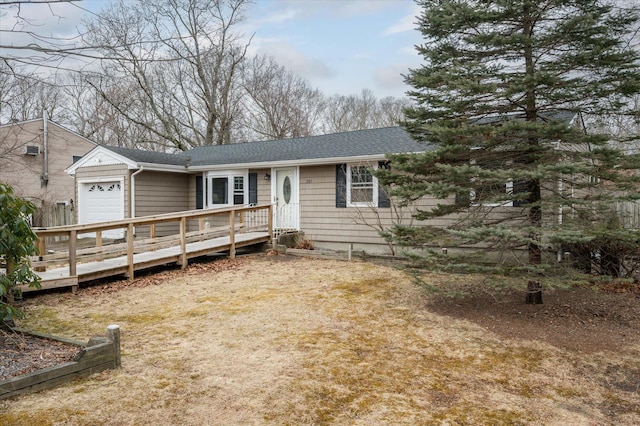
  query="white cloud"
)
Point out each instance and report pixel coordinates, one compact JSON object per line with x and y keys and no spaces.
{"x":278,"y":17}
{"x":391,"y":77}
{"x":406,"y":24}
{"x":293,"y":59}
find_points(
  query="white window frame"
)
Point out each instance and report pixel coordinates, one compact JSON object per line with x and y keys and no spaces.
{"x":374,"y":201}
{"x":507,"y":190}
{"x":230,"y":176}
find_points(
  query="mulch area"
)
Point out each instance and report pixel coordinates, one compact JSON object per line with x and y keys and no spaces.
{"x":23,"y":353}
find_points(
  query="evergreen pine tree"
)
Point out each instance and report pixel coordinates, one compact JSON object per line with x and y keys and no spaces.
{"x":501,"y":101}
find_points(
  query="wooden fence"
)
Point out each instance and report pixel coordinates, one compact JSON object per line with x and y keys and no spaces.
{"x":57,"y":214}
{"x":629,"y":214}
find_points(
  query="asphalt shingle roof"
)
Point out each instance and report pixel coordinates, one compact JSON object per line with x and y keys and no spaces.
{"x":387,"y":140}
{"x":337,"y":145}
{"x":140,"y":156}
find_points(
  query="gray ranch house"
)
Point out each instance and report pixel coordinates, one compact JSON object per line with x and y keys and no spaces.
{"x":321,"y":185}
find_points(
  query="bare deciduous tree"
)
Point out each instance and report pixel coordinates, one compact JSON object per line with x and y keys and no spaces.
{"x":280,"y":103}
{"x":24,"y":96}
{"x":364,"y":111}
{"x":184,"y":57}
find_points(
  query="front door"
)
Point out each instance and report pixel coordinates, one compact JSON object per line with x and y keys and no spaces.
{"x":286,"y":199}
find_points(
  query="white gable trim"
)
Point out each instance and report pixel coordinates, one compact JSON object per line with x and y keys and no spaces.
{"x":101,"y":156}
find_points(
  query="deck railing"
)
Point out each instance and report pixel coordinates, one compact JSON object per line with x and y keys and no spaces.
{"x":142,"y":234}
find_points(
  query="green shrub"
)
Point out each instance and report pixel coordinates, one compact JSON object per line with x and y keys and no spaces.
{"x":17,"y":244}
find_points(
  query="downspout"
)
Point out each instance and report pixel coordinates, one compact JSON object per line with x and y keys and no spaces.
{"x":45,"y":141}
{"x":132,"y":196}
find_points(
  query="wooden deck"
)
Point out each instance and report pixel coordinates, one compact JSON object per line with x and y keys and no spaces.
{"x":199,"y":232}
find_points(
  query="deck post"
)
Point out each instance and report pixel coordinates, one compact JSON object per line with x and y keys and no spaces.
{"x":72,"y":253}
{"x":113,"y":334}
{"x":270,"y":221}
{"x":152,"y":234}
{"x":42,"y":246}
{"x":130,"y":250}
{"x":232,"y":234}
{"x":99,"y":244}
{"x":201,"y":228}
{"x":183,"y":242}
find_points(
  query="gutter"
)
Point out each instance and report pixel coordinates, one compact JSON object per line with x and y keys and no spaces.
{"x":155,"y":167}
{"x":288,"y":163}
{"x":188,"y":168}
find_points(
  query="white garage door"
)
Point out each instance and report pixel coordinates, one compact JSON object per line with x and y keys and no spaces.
{"x":103,"y":202}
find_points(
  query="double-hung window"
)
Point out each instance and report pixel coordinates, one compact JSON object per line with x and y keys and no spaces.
{"x":497,"y":194}
{"x":356,"y":186}
{"x":362,"y":186}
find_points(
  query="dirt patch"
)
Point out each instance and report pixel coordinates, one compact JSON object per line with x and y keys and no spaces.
{"x":584,"y":319}
{"x":275,"y":340}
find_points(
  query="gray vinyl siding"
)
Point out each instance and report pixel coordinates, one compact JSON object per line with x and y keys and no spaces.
{"x":322,"y":221}
{"x":158,"y":193}
{"x":264,"y":186}
{"x":191,"y":191}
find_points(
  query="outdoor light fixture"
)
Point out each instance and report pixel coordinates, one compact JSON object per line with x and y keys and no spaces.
{"x":267,"y":176}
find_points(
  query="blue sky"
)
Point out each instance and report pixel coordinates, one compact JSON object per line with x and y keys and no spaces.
{"x":340,"y":46}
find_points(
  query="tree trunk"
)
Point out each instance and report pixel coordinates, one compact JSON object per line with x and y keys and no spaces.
{"x":10,"y":290}
{"x":534,"y":293}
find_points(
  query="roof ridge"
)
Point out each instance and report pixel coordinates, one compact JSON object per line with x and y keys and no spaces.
{"x":324,"y":135}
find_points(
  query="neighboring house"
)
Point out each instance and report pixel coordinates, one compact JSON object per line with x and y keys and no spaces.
{"x":320,"y":185}
{"x":33,"y":158}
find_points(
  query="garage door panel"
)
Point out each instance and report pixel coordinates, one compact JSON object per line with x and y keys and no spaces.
{"x":103,"y":202}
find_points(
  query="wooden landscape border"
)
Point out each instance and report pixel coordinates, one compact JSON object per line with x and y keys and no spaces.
{"x":348,"y":255}
{"x":97,"y":355}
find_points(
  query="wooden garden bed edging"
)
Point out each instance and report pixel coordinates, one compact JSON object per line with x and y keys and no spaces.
{"x":326,"y":254}
{"x":97,"y":355}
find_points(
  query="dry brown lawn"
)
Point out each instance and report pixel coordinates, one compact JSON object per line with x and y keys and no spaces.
{"x":279,"y":340}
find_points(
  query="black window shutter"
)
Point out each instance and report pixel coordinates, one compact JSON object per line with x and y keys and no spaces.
{"x":383,"y":196}
{"x":520,"y":186}
{"x":341,"y":185}
{"x":463,"y":199}
{"x":253,"y":188}
{"x":199,"y":192}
